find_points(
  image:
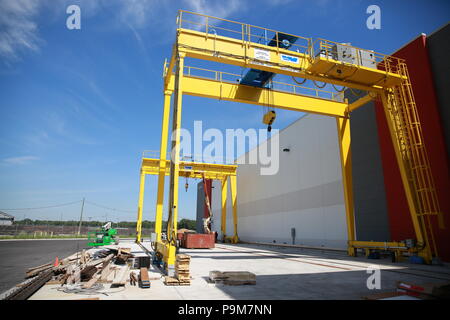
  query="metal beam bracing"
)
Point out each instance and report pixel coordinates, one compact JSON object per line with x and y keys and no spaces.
{"x":359,"y":103}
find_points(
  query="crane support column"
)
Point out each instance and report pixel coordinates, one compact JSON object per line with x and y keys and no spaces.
{"x":223,"y":225}
{"x":343,"y":127}
{"x":175,"y":163}
{"x":162,"y":165}
{"x":140,"y":207}
{"x":233,"y":181}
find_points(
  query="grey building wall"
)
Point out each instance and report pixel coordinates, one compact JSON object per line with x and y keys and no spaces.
{"x":438,"y":45}
{"x":371,"y":214}
{"x":200,"y":207}
{"x":306,"y":193}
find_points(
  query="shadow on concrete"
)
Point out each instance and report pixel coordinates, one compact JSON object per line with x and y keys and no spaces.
{"x":345,"y":285}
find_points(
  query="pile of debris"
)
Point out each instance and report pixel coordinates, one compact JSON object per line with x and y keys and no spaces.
{"x":82,"y":272}
{"x":87,"y":269}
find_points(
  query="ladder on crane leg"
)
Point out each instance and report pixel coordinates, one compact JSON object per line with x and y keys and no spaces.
{"x":408,"y":133}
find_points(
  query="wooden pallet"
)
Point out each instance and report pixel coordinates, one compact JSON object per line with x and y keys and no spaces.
{"x":182,"y":257}
{"x":182,"y":274}
{"x":170,"y":281}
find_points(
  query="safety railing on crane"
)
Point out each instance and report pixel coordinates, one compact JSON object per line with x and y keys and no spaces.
{"x":240,"y":31}
{"x":189,"y":157}
{"x":275,"y":85}
{"x":259,"y":35}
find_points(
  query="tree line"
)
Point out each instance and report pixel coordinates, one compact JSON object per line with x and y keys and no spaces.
{"x":146,"y":224}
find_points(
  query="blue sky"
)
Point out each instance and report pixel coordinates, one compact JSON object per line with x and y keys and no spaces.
{"x":78,"y":107}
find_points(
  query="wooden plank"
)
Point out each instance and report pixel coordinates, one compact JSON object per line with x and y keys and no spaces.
{"x":143,"y":275}
{"x":74,"y":274}
{"x":182,"y":257}
{"x":98,"y":261}
{"x":83,"y":257}
{"x":106,"y":271}
{"x":91,"y":282}
{"x":181,"y":266}
{"x":26,"y":291}
{"x":121,"y":277}
{"x":88,"y":272}
{"x":51,"y":282}
{"x":37,"y":271}
{"x":170,"y":281}
{"x":383,"y":295}
{"x":39,"y":267}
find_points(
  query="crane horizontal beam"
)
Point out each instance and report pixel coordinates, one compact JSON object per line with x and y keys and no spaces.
{"x":190,"y":169}
{"x":209,"y":88}
{"x":359,"y":103}
{"x":200,"y":45}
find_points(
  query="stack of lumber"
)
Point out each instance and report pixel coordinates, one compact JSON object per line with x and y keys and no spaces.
{"x":232,"y":278}
{"x":87,"y":269}
{"x":182,"y":262}
{"x":182,"y":274}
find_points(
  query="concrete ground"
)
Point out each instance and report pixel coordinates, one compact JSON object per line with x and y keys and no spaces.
{"x":281,"y":273}
{"x":19,"y":255}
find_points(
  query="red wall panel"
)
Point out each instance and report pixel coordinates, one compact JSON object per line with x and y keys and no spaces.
{"x":417,"y":59}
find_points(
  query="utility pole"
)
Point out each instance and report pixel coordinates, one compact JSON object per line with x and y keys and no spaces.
{"x":62,"y":225}
{"x":81,"y":217}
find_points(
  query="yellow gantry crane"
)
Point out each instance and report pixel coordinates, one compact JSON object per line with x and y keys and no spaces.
{"x":268,"y":52}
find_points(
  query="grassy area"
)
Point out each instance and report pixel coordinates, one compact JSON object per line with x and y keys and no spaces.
{"x":32,"y":236}
{"x":44,"y":236}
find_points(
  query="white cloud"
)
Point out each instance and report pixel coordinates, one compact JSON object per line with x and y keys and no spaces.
{"x":220,"y":9}
{"x":18,"y":30}
{"x":20,"y":160}
{"x":19,"y":27}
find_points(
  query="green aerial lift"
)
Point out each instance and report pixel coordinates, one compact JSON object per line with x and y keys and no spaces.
{"x":103,"y":237}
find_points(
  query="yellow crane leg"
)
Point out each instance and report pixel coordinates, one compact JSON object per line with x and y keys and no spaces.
{"x":140,"y":207}
{"x":175,"y":166}
{"x":223,"y":225}
{"x":343,"y":127}
{"x":233,"y":181}
{"x":425,"y":253}
{"x":162,"y":165}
